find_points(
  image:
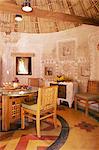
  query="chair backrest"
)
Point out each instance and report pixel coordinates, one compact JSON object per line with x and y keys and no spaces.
{"x":93,"y":87}
{"x":47,"y":98}
{"x":33,"y":82}
{"x":36,"y":82}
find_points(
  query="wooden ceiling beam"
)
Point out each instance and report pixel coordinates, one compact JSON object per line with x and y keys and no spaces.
{"x":15,"y":9}
{"x":71,"y":11}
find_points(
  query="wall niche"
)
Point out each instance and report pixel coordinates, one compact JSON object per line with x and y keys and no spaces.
{"x":23,"y":66}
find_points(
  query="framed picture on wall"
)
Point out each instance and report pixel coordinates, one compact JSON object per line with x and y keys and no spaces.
{"x":66,"y":49}
{"x":48,"y":71}
{"x":23,"y":66}
{"x":85,"y":71}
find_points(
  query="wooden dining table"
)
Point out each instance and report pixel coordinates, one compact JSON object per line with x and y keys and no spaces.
{"x":11,"y":104}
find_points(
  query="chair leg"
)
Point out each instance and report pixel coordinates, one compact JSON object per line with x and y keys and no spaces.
{"x":54,"y":119}
{"x":38,"y":126}
{"x":75,"y":103}
{"x":22,"y":118}
{"x":55,"y":122}
{"x":86,"y":108}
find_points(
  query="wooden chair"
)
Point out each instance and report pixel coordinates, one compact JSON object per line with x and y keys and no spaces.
{"x":45,"y":107}
{"x":90,"y":97}
{"x":36,"y":82}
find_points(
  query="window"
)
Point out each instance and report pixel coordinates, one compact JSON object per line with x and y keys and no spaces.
{"x":23,"y":66}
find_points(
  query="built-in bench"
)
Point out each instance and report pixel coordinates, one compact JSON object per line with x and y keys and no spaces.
{"x":90,"y":97}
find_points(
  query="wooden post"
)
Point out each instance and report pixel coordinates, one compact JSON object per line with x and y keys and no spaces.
{"x":86,"y":108}
{"x":5,"y":113}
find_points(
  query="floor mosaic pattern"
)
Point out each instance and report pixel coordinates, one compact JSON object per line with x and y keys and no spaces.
{"x":74,"y":131}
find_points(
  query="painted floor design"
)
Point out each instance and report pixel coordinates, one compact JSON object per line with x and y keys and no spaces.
{"x":78,"y":138}
{"x":86,"y":126}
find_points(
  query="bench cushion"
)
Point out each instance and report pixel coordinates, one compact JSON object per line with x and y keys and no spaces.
{"x":30,"y":106}
{"x":88,"y":96}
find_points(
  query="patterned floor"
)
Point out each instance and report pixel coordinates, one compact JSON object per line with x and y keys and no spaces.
{"x":83,"y":134}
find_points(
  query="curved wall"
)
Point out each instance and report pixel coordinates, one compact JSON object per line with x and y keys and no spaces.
{"x":77,"y":62}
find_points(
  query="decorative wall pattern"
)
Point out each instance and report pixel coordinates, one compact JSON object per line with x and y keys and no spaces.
{"x":78,"y":69}
{"x":10,"y":37}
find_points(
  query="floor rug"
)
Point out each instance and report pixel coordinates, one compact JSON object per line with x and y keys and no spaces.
{"x":51,"y":139}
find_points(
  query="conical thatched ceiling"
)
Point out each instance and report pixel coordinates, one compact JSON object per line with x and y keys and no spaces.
{"x":48,"y":15}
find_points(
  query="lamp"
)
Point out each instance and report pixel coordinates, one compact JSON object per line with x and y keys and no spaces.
{"x":26,"y":6}
{"x":18,"y":17}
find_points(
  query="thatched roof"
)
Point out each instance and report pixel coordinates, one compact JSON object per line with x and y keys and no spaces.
{"x":48,"y":15}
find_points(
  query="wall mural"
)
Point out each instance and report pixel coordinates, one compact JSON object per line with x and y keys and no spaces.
{"x":66,"y":50}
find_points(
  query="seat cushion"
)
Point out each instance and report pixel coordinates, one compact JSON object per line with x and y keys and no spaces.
{"x":87,"y":96}
{"x":30,"y":106}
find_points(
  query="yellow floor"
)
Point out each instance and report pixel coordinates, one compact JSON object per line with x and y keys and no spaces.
{"x":78,"y":139}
